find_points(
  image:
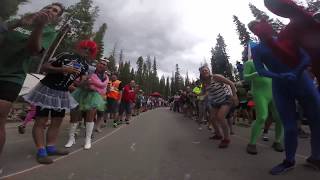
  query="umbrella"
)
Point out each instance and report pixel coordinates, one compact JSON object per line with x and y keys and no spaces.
{"x":155,"y":94}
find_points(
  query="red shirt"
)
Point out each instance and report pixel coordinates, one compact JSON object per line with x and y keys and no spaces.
{"x":128,"y":94}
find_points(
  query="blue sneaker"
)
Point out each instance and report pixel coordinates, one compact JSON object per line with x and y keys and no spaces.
{"x":282,"y":168}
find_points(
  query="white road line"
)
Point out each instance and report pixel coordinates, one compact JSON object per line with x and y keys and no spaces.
{"x":132,"y":147}
{"x":62,"y":157}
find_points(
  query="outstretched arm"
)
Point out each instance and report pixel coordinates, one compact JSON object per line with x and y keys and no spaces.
{"x":262,"y":71}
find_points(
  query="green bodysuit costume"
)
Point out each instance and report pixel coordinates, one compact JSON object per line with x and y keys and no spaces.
{"x":261,"y":88}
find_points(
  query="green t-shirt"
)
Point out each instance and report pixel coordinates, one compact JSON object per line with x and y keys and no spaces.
{"x":14,"y":59}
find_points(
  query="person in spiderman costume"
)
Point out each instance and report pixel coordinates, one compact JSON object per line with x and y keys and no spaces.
{"x":288,"y":86}
{"x":303,"y":31}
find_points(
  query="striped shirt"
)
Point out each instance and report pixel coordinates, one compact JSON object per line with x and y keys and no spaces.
{"x":217,"y":92}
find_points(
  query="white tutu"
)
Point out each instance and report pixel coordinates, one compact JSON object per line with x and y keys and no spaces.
{"x":46,"y":97}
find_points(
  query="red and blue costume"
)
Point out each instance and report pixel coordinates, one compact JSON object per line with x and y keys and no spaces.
{"x":303,"y":31}
{"x":289,"y":84}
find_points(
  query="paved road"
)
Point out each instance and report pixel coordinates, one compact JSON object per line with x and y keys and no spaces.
{"x":158,"y":145}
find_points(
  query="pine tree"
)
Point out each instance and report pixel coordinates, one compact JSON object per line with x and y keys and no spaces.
{"x":99,"y":40}
{"x":124,"y":75}
{"x":220,"y":59}
{"x":149,"y":65}
{"x":146,"y":82}
{"x":173,"y":89}
{"x":154,"y":76}
{"x":112,"y":64}
{"x":261,"y":15}
{"x":187,"y":80}
{"x":81,"y":18}
{"x":178,"y":80}
{"x":9,"y":8}
{"x":162,"y":85}
{"x":121,"y":59}
{"x":167,"y":92}
{"x":132,"y":75}
{"x":139,"y":75}
{"x":244,"y":37}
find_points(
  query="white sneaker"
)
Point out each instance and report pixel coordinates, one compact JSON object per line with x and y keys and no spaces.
{"x":265,"y":137}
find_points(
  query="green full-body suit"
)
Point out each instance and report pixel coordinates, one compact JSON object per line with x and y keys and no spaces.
{"x":261,"y":88}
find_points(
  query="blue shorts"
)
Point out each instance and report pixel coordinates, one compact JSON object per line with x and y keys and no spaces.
{"x":125,"y":107}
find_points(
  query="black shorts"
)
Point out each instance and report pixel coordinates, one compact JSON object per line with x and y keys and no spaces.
{"x":44,"y":112}
{"x":100,"y":113}
{"x":9,"y":91}
{"x":112,"y":105}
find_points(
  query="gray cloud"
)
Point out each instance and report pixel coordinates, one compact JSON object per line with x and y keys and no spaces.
{"x":175,"y":31}
{"x":145,"y":29}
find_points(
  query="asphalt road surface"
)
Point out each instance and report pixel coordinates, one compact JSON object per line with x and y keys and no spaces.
{"x":157,"y":145}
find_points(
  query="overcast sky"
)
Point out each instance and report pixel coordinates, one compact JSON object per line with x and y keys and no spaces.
{"x":175,"y":31}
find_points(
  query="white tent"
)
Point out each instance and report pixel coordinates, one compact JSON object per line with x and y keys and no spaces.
{"x":31,"y":81}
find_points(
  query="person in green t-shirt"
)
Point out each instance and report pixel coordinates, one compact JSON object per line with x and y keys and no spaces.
{"x":21,"y":40}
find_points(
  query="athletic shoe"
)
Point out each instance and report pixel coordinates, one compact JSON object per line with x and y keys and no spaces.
{"x":252,"y":149}
{"x":21,"y":129}
{"x":215,"y":137}
{"x":115,"y":125}
{"x":277,"y":147}
{"x":224,"y":143}
{"x":265,"y":137}
{"x":314,"y":163}
{"x":58,"y":152}
{"x":127,"y":121}
{"x":282,"y":168}
{"x":44,"y":160}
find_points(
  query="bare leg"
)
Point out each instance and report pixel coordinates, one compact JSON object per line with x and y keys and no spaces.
{"x":53,"y":131}
{"x":38,"y":131}
{"x":5,"y":107}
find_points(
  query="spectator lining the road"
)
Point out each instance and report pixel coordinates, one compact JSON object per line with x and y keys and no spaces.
{"x":127,"y":101}
{"x":51,"y":96}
